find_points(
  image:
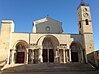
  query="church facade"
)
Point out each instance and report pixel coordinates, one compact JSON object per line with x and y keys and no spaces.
{"x":47,"y":43}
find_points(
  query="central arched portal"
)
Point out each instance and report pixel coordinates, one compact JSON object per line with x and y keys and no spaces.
{"x":49,"y":44}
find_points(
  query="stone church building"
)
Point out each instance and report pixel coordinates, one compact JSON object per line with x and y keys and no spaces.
{"x":47,"y":43}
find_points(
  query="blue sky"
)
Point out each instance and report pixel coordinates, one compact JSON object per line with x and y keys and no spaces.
{"x":24,"y":12}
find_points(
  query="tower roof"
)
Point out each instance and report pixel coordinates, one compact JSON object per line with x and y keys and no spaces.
{"x":82,"y":3}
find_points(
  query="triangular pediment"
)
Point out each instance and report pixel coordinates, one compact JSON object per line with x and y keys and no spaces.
{"x":45,"y":20}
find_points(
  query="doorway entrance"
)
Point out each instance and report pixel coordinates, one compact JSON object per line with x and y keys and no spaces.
{"x":74,"y":56}
{"x":76,"y":52}
{"x":49,"y":44}
{"x":20,"y":57}
{"x":48,"y":55}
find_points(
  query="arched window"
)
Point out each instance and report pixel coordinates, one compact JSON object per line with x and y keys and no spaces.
{"x":87,"y":22}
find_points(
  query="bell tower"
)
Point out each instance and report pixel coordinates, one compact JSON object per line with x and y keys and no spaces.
{"x":84,"y":18}
{"x":85,"y":29}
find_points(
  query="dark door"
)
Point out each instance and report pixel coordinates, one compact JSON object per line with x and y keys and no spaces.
{"x":74,"y":56}
{"x":45,"y":55}
{"x":20,"y":57}
{"x":51,"y":55}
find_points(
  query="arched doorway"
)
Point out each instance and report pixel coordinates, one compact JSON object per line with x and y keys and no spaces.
{"x":48,"y":52}
{"x":76,"y":52}
{"x":21,"y":52}
{"x":49,"y":45}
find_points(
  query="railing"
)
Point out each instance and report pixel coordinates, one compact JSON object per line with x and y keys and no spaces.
{"x":93,"y":64}
{"x":3,"y":64}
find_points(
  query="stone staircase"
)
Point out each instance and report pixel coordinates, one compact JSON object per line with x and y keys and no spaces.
{"x":50,"y":68}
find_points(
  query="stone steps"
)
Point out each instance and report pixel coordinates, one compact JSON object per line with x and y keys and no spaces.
{"x":49,"y":68}
{"x":96,"y":72}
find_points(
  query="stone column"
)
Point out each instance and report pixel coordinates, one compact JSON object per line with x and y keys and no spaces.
{"x":32,"y":56}
{"x":12,"y":61}
{"x":27,"y":56}
{"x":82,"y":56}
{"x":56,"y":56}
{"x":70,"y":55}
{"x":64,"y":55}
{"x":66,"y":52}
{"x":40,"y":56}
{"x":85,"y":56}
